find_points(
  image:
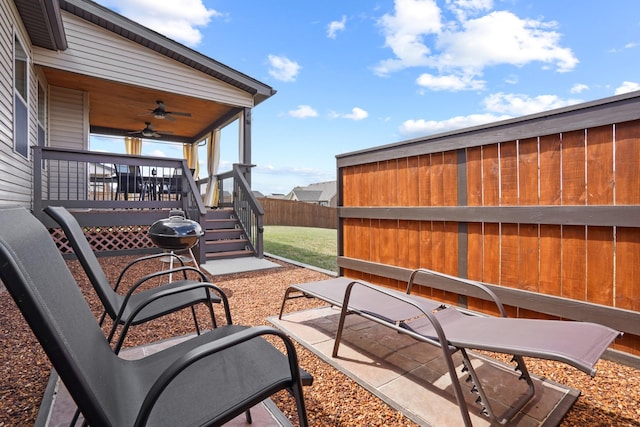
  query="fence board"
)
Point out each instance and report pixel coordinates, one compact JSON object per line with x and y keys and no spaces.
{"x":450,"y":178}
{"x":508,"y":174}
{"x":573,"y":168}
{"x":550,"y":257}
{"x":437,"y":184}
{"x":627,"y":163}
{"x":528,"y":274}
{"x":528,"y":172}
{"x":600,"y":265}
{"x":627,"y":268}
{"x":474,"y":176}
{"x":573,"y":262}
{"x":600,"y":166}
{"x":550,"y":166}
{"x":424,"y":186}
{"x":490,"y":176}
{"x":509,"y":255}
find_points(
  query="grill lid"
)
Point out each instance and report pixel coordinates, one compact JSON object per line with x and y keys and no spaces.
{"x":175,"y":232}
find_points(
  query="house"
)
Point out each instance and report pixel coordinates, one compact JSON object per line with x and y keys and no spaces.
{"x":74,"y":68}
{"x":321,"y":193}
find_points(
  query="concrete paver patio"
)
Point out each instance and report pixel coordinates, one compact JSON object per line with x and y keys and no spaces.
{"x":412,"y":377}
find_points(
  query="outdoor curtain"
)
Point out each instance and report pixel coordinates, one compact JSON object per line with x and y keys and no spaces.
{"x":133,"y":146}
{"x":190,"y":152}
{"x":213,"y":160}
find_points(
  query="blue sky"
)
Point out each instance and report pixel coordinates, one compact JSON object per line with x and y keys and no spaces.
{"x":357,"y":74}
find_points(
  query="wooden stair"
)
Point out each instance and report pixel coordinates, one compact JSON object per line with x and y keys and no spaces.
{"x":224,"y":236}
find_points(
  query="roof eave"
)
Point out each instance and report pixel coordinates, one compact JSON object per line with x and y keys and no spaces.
{"x":43,"y":22}
{"x":155,"y":41}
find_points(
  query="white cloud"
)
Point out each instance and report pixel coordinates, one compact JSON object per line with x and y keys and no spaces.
{"x":450,"y":82}
{"x":579,"y":88}
{"x":303,"y":111}
{"x":520,"y":105}
{"x":283,"y":69}
{"x":499,"y":106}
{"x":503,"y":38}
{"x":177,"y":19}
{"x":464,"y":8}
{"x":427,"y":127}
{"x":355,"y":114}
{"x":420,"y":36}
{"x":335,"y":26}
{"x":404,"y":33}
{"x":627,"y":87}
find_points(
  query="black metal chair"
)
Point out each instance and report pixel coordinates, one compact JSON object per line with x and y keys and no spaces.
{"x":207,"y":380}
{"x":174,"y":183}
{"x":121,"y":308}
{"x":129,"y":180}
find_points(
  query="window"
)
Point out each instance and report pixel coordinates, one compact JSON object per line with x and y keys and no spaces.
{"x":20,"y":110}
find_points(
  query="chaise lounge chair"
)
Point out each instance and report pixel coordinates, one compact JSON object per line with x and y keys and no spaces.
{"x":579,"y":344}
{"x":207,"y":380}
{"x":120,"y":307}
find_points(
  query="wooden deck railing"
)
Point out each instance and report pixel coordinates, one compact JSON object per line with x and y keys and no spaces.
{"x":94,"y":185}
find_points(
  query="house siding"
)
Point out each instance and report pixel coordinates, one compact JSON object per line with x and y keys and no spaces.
{"x":15,"y":170}
{"x":97,"y":52}
{"x":68,"y":128}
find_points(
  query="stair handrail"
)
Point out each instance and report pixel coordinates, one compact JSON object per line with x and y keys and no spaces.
{"x":243,"y":197}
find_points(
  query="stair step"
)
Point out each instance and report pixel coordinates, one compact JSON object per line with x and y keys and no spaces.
{"x":229,"y":254}
{"x":216,"y":224}
{"x":225,"y":234}
{"x":226,"y":245}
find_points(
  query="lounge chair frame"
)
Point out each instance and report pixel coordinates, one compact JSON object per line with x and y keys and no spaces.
{"x":399,"y":311}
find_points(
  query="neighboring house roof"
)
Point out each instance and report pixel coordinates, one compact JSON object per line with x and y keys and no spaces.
{"x":314,"y":193}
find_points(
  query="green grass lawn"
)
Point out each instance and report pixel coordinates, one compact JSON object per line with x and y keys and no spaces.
{"x":313,"y":246}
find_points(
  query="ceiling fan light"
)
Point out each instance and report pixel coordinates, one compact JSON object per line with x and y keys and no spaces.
{"x":159,"y":115}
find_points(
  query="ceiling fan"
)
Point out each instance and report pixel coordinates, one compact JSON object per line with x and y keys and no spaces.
{"x":149,"y":132}
{"x":160,"y":112}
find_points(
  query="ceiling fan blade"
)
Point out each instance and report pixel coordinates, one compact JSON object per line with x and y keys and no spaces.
{"x":177,"y":113}
{"x":167,"y":116}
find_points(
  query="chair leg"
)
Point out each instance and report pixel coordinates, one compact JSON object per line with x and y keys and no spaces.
{"x":195,"y":319}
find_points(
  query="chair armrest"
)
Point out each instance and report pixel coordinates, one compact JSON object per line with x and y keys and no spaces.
{"x":211,"y":348}
{"x":148,"y":277}
{"x":141,"y":259}
{"x":158,"y":295}
{"x":470,"y":283}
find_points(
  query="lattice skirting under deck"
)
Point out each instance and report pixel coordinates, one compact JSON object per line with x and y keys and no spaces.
{"x":108,"y":238}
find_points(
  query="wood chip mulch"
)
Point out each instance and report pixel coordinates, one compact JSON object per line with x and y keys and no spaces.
{"x":612,"y":398}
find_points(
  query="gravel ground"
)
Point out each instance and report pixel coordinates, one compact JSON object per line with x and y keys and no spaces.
{"x":612,"y":398}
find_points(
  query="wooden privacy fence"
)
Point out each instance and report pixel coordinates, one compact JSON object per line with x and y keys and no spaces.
{"x":545,"y":208}
{"x":298,"y":214}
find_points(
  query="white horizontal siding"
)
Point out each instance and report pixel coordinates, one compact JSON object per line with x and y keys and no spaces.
{"x":15,"y":170}
{"x":68,"y":128}
{"x":68,"y":118}
{"x":97,"y":52}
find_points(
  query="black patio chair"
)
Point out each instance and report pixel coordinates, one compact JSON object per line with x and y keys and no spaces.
{"x":121,"y":308}
{"x":173,"y":184}
{"x":207,"y":380}
{"x":129,"y":180}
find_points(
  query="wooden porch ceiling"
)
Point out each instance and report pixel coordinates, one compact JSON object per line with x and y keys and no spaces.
{"x":117,"y":109}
